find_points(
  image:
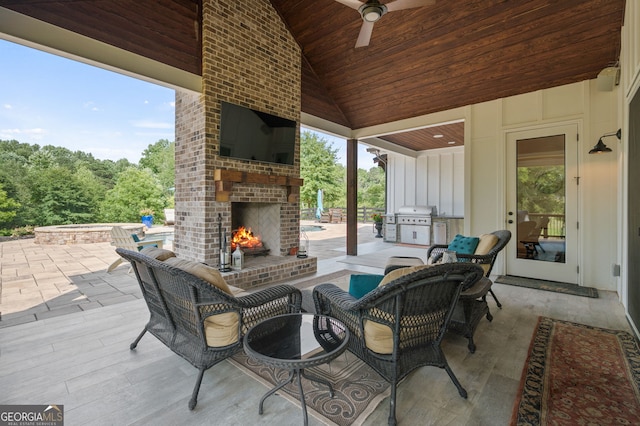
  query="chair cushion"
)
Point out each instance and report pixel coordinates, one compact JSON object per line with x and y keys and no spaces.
{"x":396,"y":262}
{"x":202,"y":271}
{"x":464,"y":245}
{"x":397,"y":273}
{"x":379,"y":337}
{"x":487,"y":242}
{"x":158,"y":253}
{"x":359,"y":285}
{"x":222,"y":329}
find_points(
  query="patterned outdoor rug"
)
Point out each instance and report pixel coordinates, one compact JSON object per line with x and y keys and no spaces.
{"x":358,"y":389}
{"x":554,"y":286}
{"x":338,"y":278}
{"x":579,"y":375}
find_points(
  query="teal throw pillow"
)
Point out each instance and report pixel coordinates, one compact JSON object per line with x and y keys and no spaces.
{"x":464,"y":245}
{"x":359,"y":285}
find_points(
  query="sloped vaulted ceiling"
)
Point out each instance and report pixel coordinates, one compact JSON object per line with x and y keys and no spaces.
{"x":419,"y":61}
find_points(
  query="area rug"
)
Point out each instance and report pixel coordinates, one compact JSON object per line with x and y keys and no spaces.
{"x":576,"y":374}
{"x":335,"y":277}
{"x":358,"y":389}
{"x":554,"y":286}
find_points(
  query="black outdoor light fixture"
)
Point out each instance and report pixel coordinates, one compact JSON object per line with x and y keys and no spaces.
{"x":601,"y":147}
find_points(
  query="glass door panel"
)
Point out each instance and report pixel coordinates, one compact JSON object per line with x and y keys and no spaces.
{"x":540,"y":186}
{"x":542,"y":200}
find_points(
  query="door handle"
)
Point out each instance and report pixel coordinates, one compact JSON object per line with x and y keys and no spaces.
{"x":510,"y":220}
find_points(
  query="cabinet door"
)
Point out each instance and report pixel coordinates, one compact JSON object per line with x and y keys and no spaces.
{"x":390,"y":232}
{"x":406,"y":234}
{"x":422,"y":235}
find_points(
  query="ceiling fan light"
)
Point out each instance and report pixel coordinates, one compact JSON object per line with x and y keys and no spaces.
{"x":371,"y":13}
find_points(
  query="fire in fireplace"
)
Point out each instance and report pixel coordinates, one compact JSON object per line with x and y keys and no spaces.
{"x":249,"y":243}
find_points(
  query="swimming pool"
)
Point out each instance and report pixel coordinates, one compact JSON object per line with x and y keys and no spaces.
{"x":312,"y":228}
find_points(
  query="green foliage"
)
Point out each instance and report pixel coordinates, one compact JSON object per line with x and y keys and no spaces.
{"x":54,"y":185}
{"x":135,"y":190}
{"x":22,"y":231}
{"x":160,"y":159}
{"x":57,"y":197}
{"x":319,"y":169}
{"x":8,"y":207}
{"x":541,"y":189}
{"x":371,"y":187}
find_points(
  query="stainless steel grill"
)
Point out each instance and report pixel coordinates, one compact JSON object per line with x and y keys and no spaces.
{"x":414,"y":224}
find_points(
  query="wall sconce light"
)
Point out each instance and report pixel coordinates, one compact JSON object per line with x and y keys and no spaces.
{"x":601,"y":147}
{"x":378,"y":157}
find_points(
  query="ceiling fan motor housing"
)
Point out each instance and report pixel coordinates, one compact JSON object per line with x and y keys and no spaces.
{"x":372,"y":11}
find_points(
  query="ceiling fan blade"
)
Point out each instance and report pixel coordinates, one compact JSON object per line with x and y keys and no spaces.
{"x":407,"y":4}
{"x":365,"y":34}
{"x":353,"y":4}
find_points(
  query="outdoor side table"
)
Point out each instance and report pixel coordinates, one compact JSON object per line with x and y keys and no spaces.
{"x":295,"y":342}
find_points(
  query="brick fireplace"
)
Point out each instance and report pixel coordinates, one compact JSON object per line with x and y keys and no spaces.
{"x":249,"y":59}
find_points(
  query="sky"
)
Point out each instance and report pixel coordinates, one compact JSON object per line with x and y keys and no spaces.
{"x":50,"y":100}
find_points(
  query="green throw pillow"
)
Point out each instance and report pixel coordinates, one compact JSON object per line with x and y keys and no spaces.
{"x":464,"y":245}
{"x":359,"y":285}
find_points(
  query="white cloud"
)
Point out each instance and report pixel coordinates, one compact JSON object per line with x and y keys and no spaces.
{"x":34,"y":134}
{"x":7,"y":106}
{"x":150,"y":124}
{"x":91,"y":105}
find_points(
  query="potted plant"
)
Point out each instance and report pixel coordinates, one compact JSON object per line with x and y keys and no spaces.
{"x":377,"y":222}
{"x":147,"y":217}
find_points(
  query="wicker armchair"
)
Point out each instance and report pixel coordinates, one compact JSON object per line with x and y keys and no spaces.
{"x":180,"y":304}
{"x":415,"y":308}
{"x":485,"y":260}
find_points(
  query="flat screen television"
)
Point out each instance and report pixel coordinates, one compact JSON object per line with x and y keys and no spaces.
{"x":254,"y":135}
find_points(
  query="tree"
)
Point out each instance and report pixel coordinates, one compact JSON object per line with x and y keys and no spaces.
{"x":371,"y":187}
{"x":160,"y":159}
{"x":57,"y":197}
{"x":135,"y":190}
{"x":319,"y":169}
{"x":8,"y":207}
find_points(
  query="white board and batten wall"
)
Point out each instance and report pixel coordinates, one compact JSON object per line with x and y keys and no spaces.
{"x":470,"y":181}
{"x":433,"y":178}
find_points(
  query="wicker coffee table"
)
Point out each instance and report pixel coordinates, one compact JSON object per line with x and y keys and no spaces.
{"x":294,"y":342}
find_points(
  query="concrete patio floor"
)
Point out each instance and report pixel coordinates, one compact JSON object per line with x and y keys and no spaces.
{"x":67,"y":324}
{"x":43,"y":281}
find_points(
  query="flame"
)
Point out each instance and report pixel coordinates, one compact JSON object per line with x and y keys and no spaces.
{"x":245,"y":238}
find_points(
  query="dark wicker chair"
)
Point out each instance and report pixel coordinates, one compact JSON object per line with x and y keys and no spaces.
{"x":179,"y":302}
{"x":485,"y":260}
{"x":416,"y":306}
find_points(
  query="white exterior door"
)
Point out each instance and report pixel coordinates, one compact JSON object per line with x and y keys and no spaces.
{"x":542,"y":204}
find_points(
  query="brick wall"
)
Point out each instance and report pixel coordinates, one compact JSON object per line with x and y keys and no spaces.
{"x":249,"y":59}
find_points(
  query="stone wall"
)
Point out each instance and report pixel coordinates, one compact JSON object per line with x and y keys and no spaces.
{"x":249,"y":59}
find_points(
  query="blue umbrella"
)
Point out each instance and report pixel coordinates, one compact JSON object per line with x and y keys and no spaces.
{"x":320,"y":208}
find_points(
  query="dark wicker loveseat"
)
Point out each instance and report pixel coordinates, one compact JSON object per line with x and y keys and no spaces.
{"x":422,"y":299}
{"x":180,"y":303}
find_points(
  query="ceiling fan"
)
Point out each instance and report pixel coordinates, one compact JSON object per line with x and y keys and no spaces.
{"x":372,"y":10}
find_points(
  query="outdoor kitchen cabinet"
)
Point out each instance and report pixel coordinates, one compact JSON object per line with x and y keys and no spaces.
{"x":415,"y":234}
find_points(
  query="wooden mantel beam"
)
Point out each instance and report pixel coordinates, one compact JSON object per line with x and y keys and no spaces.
{"x":224,"y":180}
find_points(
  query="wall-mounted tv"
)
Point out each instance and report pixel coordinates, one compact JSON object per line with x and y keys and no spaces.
{"x":254,"y":135}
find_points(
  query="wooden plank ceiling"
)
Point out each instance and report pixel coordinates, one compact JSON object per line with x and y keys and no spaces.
{"x":419,"y":61}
